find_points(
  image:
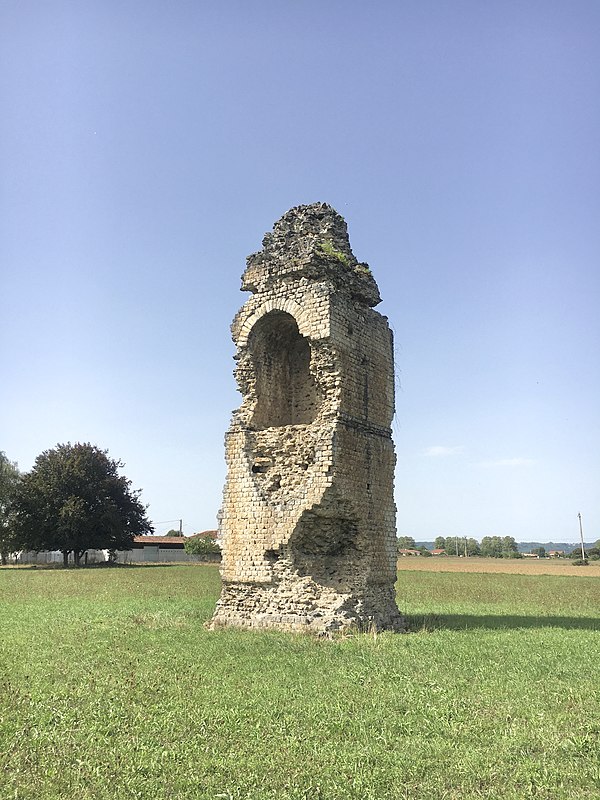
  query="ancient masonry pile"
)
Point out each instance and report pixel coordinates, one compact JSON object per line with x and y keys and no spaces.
{"x":308,"y":518}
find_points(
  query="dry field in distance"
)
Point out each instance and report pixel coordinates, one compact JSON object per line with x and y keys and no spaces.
{"x":511,"y":566}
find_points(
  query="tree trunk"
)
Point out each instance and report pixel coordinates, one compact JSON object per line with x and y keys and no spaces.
{"x":65,"y":558}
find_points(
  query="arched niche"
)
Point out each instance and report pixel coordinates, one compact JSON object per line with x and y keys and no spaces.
{"x":286,"y":391}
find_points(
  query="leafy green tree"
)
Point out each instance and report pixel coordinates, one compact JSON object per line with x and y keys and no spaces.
{"x":499,"y":547}
{"x":461,"y":545}
{"x":440,"y":543}
{"x":473,"y":547}
{"x":455,"y":545}
{"x":406,"y":543}
{"x":539,"y":551}
{"x":576,"y":551}
{"x":73,"y":500}
{"x":173,"y":533}
{"x":509,"y":546}
{"x":593,"y":553}
{"x":9,"y":481}
{"x":202,"y":545}
{"x":491,"y":547}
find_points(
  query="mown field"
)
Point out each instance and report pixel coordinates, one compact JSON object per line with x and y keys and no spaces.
{"x":112,"y":688}
{"x":512,"y":566}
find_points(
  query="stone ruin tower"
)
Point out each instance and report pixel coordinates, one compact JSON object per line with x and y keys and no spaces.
{"x":308,"y":517}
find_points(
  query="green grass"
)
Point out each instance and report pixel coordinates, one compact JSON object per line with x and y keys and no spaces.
{"x":112,"y":688}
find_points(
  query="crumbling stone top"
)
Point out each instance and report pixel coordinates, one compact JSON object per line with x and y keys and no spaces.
{"x":311,"y":242}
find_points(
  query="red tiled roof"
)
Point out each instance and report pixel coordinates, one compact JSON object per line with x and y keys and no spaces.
{"x":176,"y":540}
{"x":212,"y":534}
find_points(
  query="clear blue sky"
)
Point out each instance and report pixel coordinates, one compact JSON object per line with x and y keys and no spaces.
{"x":145,"y":148}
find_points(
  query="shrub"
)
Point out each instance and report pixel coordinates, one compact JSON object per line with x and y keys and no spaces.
{"x":201,"y":546}
{"x":332,"y":252}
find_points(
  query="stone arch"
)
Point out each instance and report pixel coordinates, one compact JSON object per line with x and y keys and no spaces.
{"x":288,"y":305}
{"x":286,"y":390}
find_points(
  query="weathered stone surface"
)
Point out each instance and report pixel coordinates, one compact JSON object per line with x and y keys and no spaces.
{"x":308,"y":518}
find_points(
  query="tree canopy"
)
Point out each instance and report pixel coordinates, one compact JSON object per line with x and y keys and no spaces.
{"x":458,"y":545}
{"x":201,"y":545}
{"x":499,"y":547}
{"x":406,"y":543}
{"x":9,"y":481}
{"x":73,"y":500}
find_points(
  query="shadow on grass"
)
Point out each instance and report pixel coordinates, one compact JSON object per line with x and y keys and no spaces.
{"x":459,"y":622}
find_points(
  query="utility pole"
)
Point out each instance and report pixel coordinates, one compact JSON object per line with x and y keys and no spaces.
{"x":181,"y":527}
{"x":456,"y":543}
{"x":581,"y":537}
{"x":466,"y":554}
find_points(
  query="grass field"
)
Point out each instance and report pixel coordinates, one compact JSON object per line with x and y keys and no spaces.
{"x":112,"y":688}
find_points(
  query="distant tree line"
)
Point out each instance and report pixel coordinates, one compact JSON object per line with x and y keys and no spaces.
{"x":458,"y":545}
{"x":73,"y":500}
{"x":499,"y":547}
{"x":490,"y":546}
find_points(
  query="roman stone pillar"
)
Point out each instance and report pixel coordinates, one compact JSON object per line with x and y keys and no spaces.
{"x":308,"y":517}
